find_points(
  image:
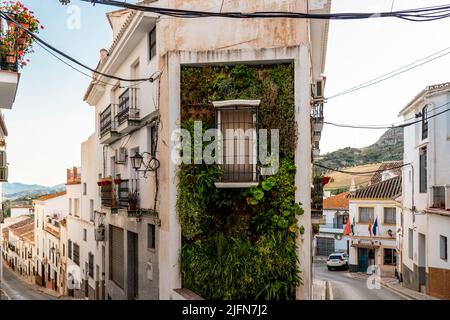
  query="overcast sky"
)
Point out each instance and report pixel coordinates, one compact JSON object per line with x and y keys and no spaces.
{"x":49,"y":120}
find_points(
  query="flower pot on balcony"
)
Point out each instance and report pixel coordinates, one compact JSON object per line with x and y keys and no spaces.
{"x":21,"y":41}
{"x":99,"y":183}
{"x":26,"y":25}
{"x":117,"y":181}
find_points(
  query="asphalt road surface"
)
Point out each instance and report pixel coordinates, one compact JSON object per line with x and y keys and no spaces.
{"x":17,"y":289}
{"x":346,"y":288}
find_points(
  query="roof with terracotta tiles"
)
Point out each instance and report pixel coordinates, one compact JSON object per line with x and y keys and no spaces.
{"x":21,"y":223}
{"x":20,"y":231}
{"x":339,"y":201}
{"x":388,"y":189}
{"x":51,"y":196}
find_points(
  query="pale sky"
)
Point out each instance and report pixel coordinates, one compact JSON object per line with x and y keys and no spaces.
{"x":49,"y":119}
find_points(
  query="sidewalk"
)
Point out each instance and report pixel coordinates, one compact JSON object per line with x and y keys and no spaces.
{"x":393,"y":285}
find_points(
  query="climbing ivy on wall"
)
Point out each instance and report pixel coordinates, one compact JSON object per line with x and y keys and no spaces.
{"x":240,"y":243}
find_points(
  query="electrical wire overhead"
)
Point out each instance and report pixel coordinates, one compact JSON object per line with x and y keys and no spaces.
{"x":417,"y":14}
{"x":394,"y":73}
{"x":52,"y":48}
{"x":359,"y":173}
{"x":404,"y":125}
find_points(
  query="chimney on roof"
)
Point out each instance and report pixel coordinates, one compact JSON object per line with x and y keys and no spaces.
{"x":353,"y":186}
{"x":103,"y":55}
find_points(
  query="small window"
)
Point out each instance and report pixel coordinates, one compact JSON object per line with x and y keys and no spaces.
{"x":76,"y":209}
{"x":423,"y":170}
{"x":91,"y":265}
{"x":152,"y":137}
{"x":84,"y":188}
{"x":84,"y":235}
{"x":69,"y":248}
{"x":151,"y":236}
{"x":152,"y":43}
{"x":91,"y":211}
{"x":389,"y":257}
{"x":76,"y":254}
{"x":425,"y":122}
{"x":70,"y":206}
{"x":443,"y":247}
{"x":390,"y":215}
{"x":366,"y":214}
{"x":410,"y":243}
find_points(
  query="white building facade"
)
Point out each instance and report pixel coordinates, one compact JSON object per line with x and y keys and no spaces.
{"x":50,"y":213}
{"x":375,"y":249}
{"x":426,"y":192}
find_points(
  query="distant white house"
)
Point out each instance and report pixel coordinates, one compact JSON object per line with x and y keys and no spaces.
{"x":331,"y":233}
{"x":21,"y":210}
{"x":426,"y":192}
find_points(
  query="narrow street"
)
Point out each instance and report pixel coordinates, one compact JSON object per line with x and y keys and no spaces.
{"x":346,"y":288}
{"x":17,"y":289}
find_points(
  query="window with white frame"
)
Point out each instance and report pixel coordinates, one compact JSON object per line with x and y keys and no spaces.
{"x":390,"y":215}
{"x":91,"y":210}
{"x":366,"y":214}
{"x":76,"y":205}
{"x":237,"y":141}
{"x":389,"y":257}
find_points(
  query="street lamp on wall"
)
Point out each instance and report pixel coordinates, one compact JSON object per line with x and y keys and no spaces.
{"x":138,"y":161}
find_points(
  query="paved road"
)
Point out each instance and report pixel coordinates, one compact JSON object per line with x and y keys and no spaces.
{"x":347,"y":288}
{"x":17,"y":289}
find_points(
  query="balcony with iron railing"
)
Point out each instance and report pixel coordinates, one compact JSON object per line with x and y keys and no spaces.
{"x":128,"y":112}
{"x":439,"y":197}
{"x":108,"y":125}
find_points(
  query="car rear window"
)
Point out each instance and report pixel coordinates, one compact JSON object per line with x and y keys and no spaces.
{"x":335,"y":257}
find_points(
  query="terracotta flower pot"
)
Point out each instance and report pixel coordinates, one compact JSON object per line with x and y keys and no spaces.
{"x":21,"y":41}
{"x":11,"y":58}
{"x":26,"y":25}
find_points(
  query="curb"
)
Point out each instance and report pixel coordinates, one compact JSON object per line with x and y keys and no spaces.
{"x":399,"y":292}
{"x":2,"y":292}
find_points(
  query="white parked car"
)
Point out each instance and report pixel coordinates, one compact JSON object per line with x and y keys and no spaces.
{"x":337,"y":260}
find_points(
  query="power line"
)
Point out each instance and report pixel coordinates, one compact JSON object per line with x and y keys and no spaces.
{"x":393,"y":73}
{"x":359,"y":173}
{"x":390,"y":127}
{"x":49,"y":46}
{"x":416,"y":14}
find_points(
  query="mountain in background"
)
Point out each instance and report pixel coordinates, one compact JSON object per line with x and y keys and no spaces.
{"x":388,"y":148}
{"x":16,"y":190}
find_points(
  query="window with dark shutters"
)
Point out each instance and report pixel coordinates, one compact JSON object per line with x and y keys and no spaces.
{"x":116,"y":263}
{"x":76,"y":254}
{"x":152,"y":43}
{"x":69,"y":246}
{"x":423,"y":170}
{"x":91,"y":265}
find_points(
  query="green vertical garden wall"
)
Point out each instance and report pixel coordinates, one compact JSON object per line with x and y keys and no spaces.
{"x":240,"y":243}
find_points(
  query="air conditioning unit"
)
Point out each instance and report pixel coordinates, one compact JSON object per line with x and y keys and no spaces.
{"x":121,"y":156}
{"x":100,"y":233}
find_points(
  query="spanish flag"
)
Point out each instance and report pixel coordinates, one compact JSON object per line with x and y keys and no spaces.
{"x":348,"y":228}
{"x":370,"y":228}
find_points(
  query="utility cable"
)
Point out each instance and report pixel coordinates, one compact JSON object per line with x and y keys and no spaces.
{"x":359,"y":173}
{"x":404,"y":125}
{"x":49,"y":46}
{"x":416,"y":14}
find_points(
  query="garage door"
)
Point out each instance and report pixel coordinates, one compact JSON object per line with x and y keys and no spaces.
{"x":325,"y":246}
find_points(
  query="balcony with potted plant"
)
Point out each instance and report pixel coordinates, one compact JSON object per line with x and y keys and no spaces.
{"x":107,"y":193}
{"x":15,"y":45}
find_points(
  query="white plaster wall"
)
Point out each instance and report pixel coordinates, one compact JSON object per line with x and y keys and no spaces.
{"x":17,"y":212}
{"x":437,"y":226}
